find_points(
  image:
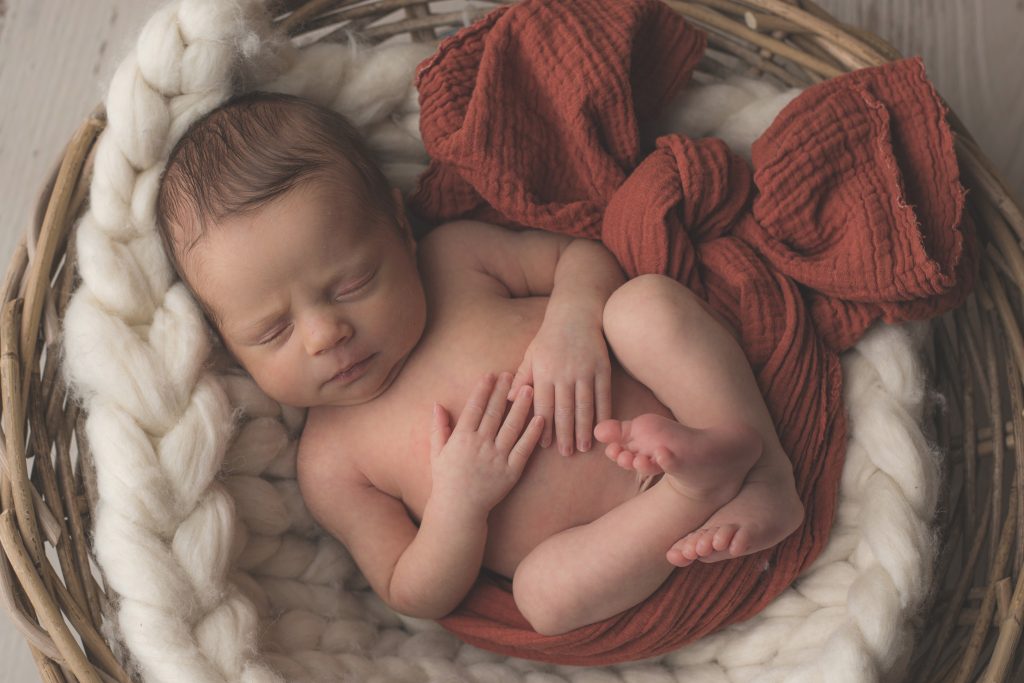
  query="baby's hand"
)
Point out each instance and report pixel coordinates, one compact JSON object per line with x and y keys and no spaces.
{"x":478,"y":463}
{"x":567,"y":363}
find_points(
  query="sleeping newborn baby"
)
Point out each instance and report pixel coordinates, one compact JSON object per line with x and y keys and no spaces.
{"x":456,"y":385}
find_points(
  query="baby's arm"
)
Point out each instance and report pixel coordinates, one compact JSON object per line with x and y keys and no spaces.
{"x":421,"y":572}
{"x":426,"y":572}
{"x":567,"y":362}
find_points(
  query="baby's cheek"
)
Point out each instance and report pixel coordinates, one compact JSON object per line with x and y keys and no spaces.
{"x":277,"y":380}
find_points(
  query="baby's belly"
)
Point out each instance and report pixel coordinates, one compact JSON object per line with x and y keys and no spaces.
{"x":555,"y":492}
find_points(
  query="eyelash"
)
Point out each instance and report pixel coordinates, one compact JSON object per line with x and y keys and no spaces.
{"x":361,"y":285}
{"x":358,"y":286}
{"x":268,"y":340}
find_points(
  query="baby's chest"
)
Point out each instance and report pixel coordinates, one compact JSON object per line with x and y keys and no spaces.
{"x":458,"y":347}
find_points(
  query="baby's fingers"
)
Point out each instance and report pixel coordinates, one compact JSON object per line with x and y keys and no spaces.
{"x":564,"y":399}
{"x":495,"y":410}
{"x":473,"y":411}
{"x":513,"y":427}
{"x":524,"y":448}
{"x":544,"y":405}
{"x":584,"y":415}
{"x":439,"y":429}
{"x":523,"y":376}
{"x":603,"y":393}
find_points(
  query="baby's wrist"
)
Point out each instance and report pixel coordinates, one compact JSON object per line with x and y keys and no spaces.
{"x":575,"y":313}
{"x":457,"y":507}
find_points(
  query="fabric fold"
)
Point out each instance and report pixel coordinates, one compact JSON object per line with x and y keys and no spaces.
{"x":852,"y":212}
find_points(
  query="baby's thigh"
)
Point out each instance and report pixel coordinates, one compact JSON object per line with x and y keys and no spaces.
{"x":648,"y":317}
{"x":670,"y":340}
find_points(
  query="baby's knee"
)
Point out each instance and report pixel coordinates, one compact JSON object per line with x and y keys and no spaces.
{"x":643,"y":303}
{"x":650,"y":304}
{"x":545,"y":610}
{"x":635,"y":296}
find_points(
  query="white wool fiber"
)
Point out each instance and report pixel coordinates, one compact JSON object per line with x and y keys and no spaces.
{"x":258,"y":504}
{"x":258,"y":443}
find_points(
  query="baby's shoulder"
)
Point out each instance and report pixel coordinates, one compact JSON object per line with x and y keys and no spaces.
{"x":458,"y":240}
{"x":323,"y":445}
{"x":453,"y":257}
{"x":345,"y":447}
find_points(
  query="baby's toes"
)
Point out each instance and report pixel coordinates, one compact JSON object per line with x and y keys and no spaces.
{"x":724,"y":536}
{"x":612,"y":450}
{"x":729,"y":541}
{"x":665,"y":458}
{"x":677,"y":558}
{"x":684,"y":552}
{"x":608,"y":431}
{"x":625,"y":458}
{"x":645,"y":465}
{"x":740,"y":542}
{"x":704,"y":545}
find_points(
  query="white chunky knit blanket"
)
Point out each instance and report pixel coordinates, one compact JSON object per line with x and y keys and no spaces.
{"x":218,"y":571}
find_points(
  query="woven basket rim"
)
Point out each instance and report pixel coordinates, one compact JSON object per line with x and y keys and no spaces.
{"x":976,"y":353}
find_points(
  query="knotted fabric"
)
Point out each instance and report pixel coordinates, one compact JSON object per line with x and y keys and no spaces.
{"x":851,"y":211}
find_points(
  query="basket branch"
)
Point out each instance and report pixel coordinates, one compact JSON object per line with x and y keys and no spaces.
{"x":713,"y":20}
{"x":829,"y":30}
{"x":983,"y":623}
{"x":41,"y":597}
{"x":14,"y":431}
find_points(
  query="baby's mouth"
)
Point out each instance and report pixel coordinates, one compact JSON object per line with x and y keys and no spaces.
{"x":352,"y":372}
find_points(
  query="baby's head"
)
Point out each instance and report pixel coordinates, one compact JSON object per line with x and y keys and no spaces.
{"x":296,"y":248}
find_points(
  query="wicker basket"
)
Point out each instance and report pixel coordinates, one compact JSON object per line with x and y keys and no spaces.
{"x":977,"y":361}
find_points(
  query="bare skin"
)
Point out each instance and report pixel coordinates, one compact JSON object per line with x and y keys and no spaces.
{"x":727,"y":481}
{"x":652,"y":444}
{"x":372,"y":330}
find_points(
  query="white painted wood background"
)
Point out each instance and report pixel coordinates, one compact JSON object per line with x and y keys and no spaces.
{"x":56,"y":57}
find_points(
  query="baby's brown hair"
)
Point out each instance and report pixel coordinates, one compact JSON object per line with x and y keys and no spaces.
{"x":249,"y":151}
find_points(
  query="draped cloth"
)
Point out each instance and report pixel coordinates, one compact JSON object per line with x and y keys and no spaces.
{"x":851,"y":212}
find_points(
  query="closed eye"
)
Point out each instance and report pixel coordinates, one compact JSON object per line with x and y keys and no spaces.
{"x":273,"y":335}
{"x":352,"y":289}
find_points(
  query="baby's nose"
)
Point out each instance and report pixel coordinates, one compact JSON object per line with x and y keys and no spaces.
{"x":324,"y":332}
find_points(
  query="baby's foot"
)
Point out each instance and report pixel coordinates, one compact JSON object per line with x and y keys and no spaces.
{"x":759,"y":507}
{"x":765,"y":511}
{"x":701,"y":464}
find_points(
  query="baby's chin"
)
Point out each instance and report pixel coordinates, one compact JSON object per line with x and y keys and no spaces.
{"x":365,"y":394}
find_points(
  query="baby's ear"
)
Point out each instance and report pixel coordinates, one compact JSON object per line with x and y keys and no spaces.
{"x":400,"y":216}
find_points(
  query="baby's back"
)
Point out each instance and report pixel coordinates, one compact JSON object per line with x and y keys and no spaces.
{"x":474,"y":327}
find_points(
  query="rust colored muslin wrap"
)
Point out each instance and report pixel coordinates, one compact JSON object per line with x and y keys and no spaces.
{"x":853,"y":212}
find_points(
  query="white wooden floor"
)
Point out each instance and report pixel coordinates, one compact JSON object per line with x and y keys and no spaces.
{"x":56,"y":57}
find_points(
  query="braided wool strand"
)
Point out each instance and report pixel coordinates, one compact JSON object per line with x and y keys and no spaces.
{"x":221,"y":574}
{"x":135,"y":344}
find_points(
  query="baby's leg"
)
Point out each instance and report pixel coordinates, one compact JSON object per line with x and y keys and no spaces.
{"x":666,"y":338}
{"x":593,"y":571}
{"x":722,"y":458}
